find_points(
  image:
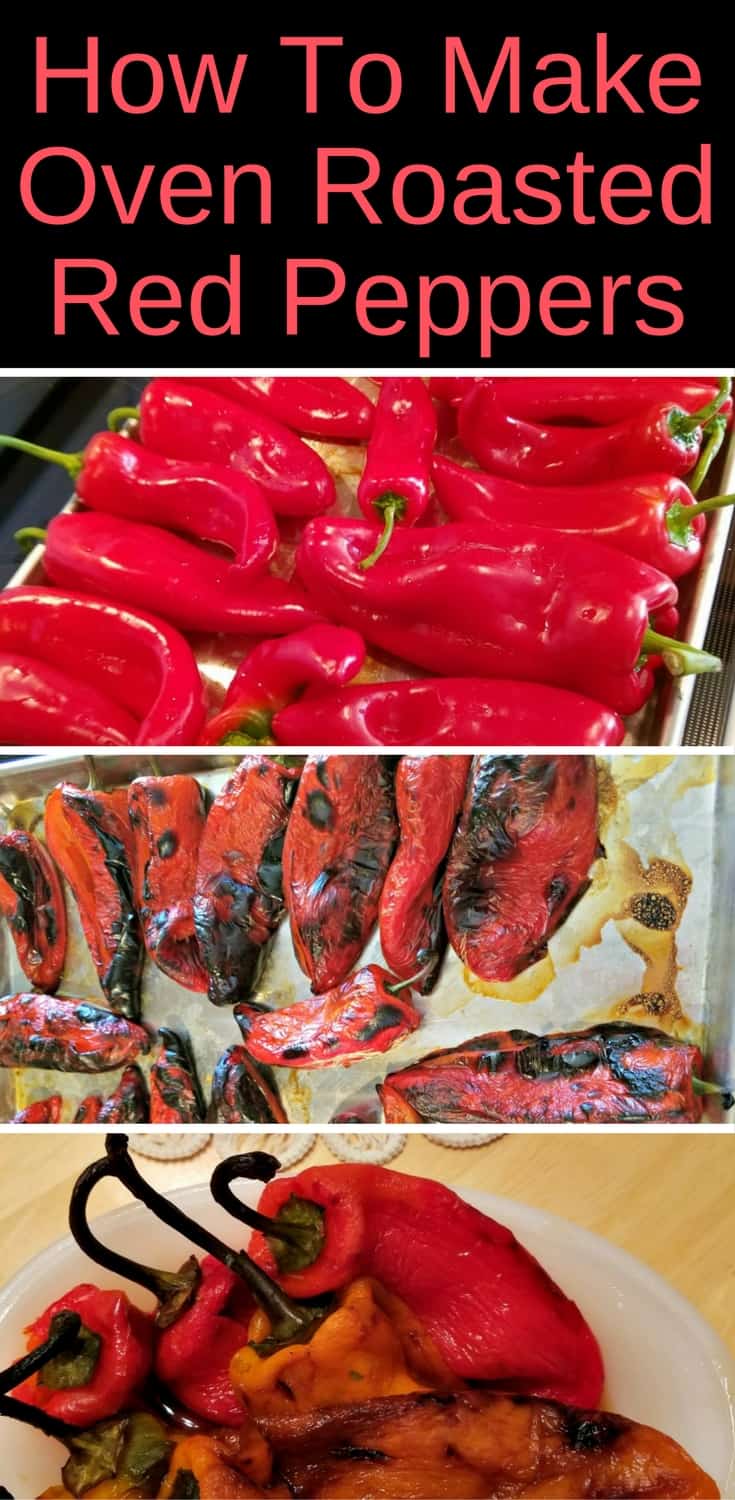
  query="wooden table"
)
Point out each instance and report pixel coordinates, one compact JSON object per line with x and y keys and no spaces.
{"x":669,"y":1199}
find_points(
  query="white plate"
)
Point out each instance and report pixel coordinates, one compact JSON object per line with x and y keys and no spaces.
{"x":665,"y":1366}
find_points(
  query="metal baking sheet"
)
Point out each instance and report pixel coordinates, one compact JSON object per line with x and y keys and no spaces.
{"x":664,"y":822}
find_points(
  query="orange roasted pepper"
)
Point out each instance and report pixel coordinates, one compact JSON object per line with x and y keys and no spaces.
{"x":226,"y":1468}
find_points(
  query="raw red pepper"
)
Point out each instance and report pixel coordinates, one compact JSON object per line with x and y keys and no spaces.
{"x":151,"y":569}
{"x":193,"y":1356}
{"x":71,"y":1036}
{"x":180,"y":419}
{"x":211,"y":502}
{"x":364,"y":1015}
{"x":396,"y":481}
{"x":339,"y":844}
{"x":42,"y":1112}
{"x":167,"y":816}
{"x":41,"y":705}
{"x":88,"y":1112}
{"x":144,"y":665}
{"x":331,"y":409}
{"x":243,"y":1092}
{"x":448,"y":711}
{"x":275,"y":673}
{"x":129,"y":1104}
{"x":32,"y":902}
{"x":105,"y":1371}
{"x":521,"y":858}
{"x":492,"y":1311}
{"x":451,"y":388}
{"x":664,"y":437}
{"x":515,"y":601}
{"x":429,"y":796}
{"x":598,"y":399}
{"x":176,"y":1095}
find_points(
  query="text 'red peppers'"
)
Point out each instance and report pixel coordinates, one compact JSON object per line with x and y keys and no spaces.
{"x":167,"y":816}
{"x":362,"y":1016}
{"x":396,"y":481}
{"x":32,"y":902}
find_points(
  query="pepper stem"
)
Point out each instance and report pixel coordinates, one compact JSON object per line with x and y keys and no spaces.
{"x":72,"y":462}
{"x":120,"y":415}
{"x":679,"y":517}
{"x":391,"y":508}
{"x":690,"y":421}
{"x":702,"y":1088}
{"x":29,"y":537}
{"x":679,"y":657}
{"x":66,"y":1331}
{"x":716,"y":436}
{"x":716,"y":502}
{"x":258,"y":1166}
{"x":403,"y":984}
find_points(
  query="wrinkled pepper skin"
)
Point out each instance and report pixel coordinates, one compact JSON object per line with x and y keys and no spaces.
{"x":244,"y":1093}
{"x":41,"y":1112}
{"x":88,"y":1112}
{"x":238,"y":901}
{"x":492,"y":601}
{"x":89,"y":836}
{"x":176,"y":1095}
{"x":606,"y":1075}
{"x":199,"y":1466}
{"x":356,"y":1019}
{"x":429,"y":795}
{"x":339,"y":845}
{"x":40,"y":705}
{"x":129,"y":1104}
{"x":32,"y":902}
{"x":71,"y":1036}
{"x":330,"y":408}
{"x":123,"y":1365}
{"x":489,"y":1307}
{"x":167,"y":816}
{"x":520,"y":860}
{"x":193,"y":1355}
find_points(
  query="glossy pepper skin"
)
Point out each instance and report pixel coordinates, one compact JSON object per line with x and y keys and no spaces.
{"x":41,"y":1112}
{"x":429,"y":795}
{"x":151,"y":569}
{"x":181,"y":420}
{"x":167,"y":816}
{"x":176,"y":1095}
{"x":329,"y":408}
{"x":145,"y":666}
{"x":605,"y":1075}
{"x":396,"y":481}
{"x":243,"y":1092}
{"x":447,"y":711}
{"x":88,"y":1112}
{"x":448,"y":1263}
{"x":339,"y":843}
{"x":129,"y":1103}
{"x":89,"y":836}
{"x":629,"y":514}
{"x":274,"y":673}
{"x":520,"y":859}
{"x":596,"y":400}
{"x":357,"y":1018}
{"x":32,"y":903}
{"x":71,"y":1036}
{"x":238,"y":901}
{"x":123,"y":1363}
{"x":494,"y":601}
{"x":193,"y":1356}
{"x":209,"y":1467}
{"x":40,"y":705}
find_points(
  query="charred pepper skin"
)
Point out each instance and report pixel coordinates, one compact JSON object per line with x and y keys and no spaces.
{"x":89,"y":836}
{"x":358,"y":1018}
{"x":32,"y":902}
{"x":167,"y":817}
{"x":71,"y":1036}
{"x":89,"y":1110}
{"x":176,"y":1095}
{"x":243,"y":1092}
{"x":41,"y":1112}
{"x":607,"y":1074}
{"x":129,"y":1104}
{"x":339,"y":845}
{"x":238,"y":901}
{"x":521,"y":857}
{"x":429,"y":795}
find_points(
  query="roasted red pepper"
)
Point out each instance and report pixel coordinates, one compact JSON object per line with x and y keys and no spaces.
{"x":167,"y":817}
{"x":176,"y":1094}
{"x":89,"y":836}
{"x":144,"y":665}
{"x":275,"y":673}
{"x":105,"y":1371}
{"x":365,"y":1014}
{"x":598,"y":400}
{"x":71,"y":1036}
{"x":491,"y":1310}
{"x":339,"y":844}
{"x":238,"y":902}
{"x":605,"y":1075}
{"x":243,"y":1092}
{"x":331,"y":408}
{"x":129,"y":1104}
{"x":521,"y":858}
{"x":40,"y":705}
{"x":180,"y":419}
{"x":32,"y":902}
{"x":193,"y":1356}
{"x":429,"y":794}
{"x":396,"y":481}
{"x":512,"y":601}
{"x":211,"y":502}
{"x":42,"y":1112}
{"x":88,"y":1112}
{"x":448,"y":711}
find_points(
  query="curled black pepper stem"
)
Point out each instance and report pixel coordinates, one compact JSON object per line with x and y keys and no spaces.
{"x":256,"y":1166}
{"x":66,"y":1330}
{"x":35,"y":1416}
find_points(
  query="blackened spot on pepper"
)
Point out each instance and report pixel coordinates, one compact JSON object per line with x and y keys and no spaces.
{"x":359,"y":1455}
{"x":295,"y":1051}
{"x":652,"y":909}
{"x":591,"y":1433}
{"x":167,"y":844}
{"x":157,"y":796}
{"x":185,"y":1486}
{"x":435,"y":1398}
{"x":322,"y":773}
{"x":319,"y":810}
{"x":384,"y":1018}
{"x":270,"y":869}
{"x":556,"y":891}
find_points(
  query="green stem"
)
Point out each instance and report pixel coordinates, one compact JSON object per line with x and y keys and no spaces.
{"x":29,"y":537}
{"x":691,"y":421}
{"x":679,"y":517}
{"x":703,"y":1089}
{"x":403,"y":984}
{"x":679,"y":657}
{"x":120,"y":415}
{"x":255,"y":729}
{"x":715,"y":439}
{"x":391,"y":507}
{"x":702,"y":507}
{"x":72,"y":462}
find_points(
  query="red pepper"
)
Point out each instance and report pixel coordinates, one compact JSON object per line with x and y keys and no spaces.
{"x":181,"y":420}
{"x":211,"y":502}
{"x":598,"y":399}
{"x":129,"y":1103}
{"x":88,"y":1112}
{"x":274,"y":673}
{"x":32,"y":902}
{"x":515,"y":601}
{"x":167,"y":816}
{"x":122,"y":1365}
{"x":176,"y":1095}
{"x":664,"y":437}
{"x":448,"y":711}
{"x":653,"y":517}
{"x":42,"y":1112}
{"x":396,"y":481}
{"x":451,"y":388}
{"x":490,"y":1308}
{"x":363,"y":1015}
{"x":243,"y":1092}
{"x":154,"y":570}
{"x":41,"y":705}
{"x":429,"y":795}
{"x":331,"y":409}
{"x":71,"y":1036}
{"x":193,"y":1356}
{"x":144,"y":665}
